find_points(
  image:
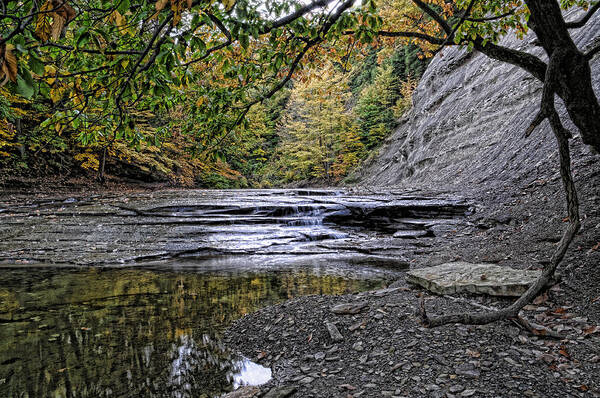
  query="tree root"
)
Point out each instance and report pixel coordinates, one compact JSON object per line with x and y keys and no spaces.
{"x":532,"y":328}
{"x":512,"y":311}
{"x":535,"y":329}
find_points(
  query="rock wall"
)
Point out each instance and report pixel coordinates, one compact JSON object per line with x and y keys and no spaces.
{"x":468,"y":121}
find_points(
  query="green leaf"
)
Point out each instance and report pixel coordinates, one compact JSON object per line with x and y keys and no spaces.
{"x":36,"y":65}
{"x":83,"y":37}
{"x":24,"y":87}
{"x":244,"y":41}
{"x":124,"y":6}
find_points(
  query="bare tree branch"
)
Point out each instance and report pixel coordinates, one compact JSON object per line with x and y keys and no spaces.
{"x":89,"y":50}
{"x":218,"y":47}
{"x":433,"y":14}
{"x":551,"y":80}
{"x":512,"y":311}
{"x":592,"y":52}
{"x":494,"y":18}
{"x":526,"y":61}
{"x":413,"y":35}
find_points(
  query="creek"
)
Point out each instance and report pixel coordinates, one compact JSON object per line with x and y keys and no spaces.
{"x":127,"y":295}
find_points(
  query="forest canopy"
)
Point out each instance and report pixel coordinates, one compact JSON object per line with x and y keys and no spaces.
{"x":224,"y":89}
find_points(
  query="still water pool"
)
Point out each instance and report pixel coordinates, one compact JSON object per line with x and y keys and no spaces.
{"x":141,"y":332}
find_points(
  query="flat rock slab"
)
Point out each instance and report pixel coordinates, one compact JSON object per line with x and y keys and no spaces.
{"x":462,"y":277}
{"x":349,"y":308}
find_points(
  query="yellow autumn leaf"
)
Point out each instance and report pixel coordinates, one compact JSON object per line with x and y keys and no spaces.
{"x":55,"y":94}
{"x":50,"y":73}
{"x":119,"y":20}
{"x":177,"y":8}
{"x":43,"y":29}
{"x":228,"y":4}
{"x":9,"y":66}
{"x":88,"y":160}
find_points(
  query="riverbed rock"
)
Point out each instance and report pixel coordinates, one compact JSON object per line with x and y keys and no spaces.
{"x":244,"y":392}
{"x":349,"y":308}
{"x":220,"y":226}
{"x":334,"y":333}
{"x":459,"y":277}
{"x":280,"y":392}
{"x":412,"y":234}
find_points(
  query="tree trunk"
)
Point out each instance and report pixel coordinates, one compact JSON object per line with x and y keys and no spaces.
{"x":574,"y":80}
{"x":568,"y":75}
{"x":101,"y":177}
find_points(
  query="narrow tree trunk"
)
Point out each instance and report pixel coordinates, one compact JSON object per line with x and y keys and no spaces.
{"x":102,"y":165}
{"x":567,"y":75}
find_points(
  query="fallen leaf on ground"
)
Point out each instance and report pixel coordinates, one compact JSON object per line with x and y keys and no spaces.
{"x":563,"y":352}
{"x":473,"y":353}
{"x":540,"y":299}
{"x":591,"y":329}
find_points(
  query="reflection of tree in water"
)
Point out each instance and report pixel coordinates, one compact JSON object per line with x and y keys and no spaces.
{"x":198,"y":371}
{"x":116,"y":333}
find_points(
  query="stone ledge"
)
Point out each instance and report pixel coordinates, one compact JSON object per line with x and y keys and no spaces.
{"x":463,"y":277}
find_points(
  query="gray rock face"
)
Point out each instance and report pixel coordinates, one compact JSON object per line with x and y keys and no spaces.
{"x":458,"y":277}
{"x":468,"y":121}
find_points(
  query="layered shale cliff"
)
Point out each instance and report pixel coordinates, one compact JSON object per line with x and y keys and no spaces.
{"x":466,"y":128}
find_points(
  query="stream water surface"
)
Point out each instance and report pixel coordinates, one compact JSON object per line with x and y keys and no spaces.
{"x":139,"y":332}
{"x":127,"y":296}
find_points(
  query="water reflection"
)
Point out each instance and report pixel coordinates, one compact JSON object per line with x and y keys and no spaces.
{"x":250,"y":374}
{"x":136,"y":332}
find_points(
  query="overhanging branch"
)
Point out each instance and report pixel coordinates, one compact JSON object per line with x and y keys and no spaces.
{"x":433,"y":14}
{"x":526,"y":61}
{"x":411,"y":35}
{"x":592,"y":52}
{"x":581,"y":23}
